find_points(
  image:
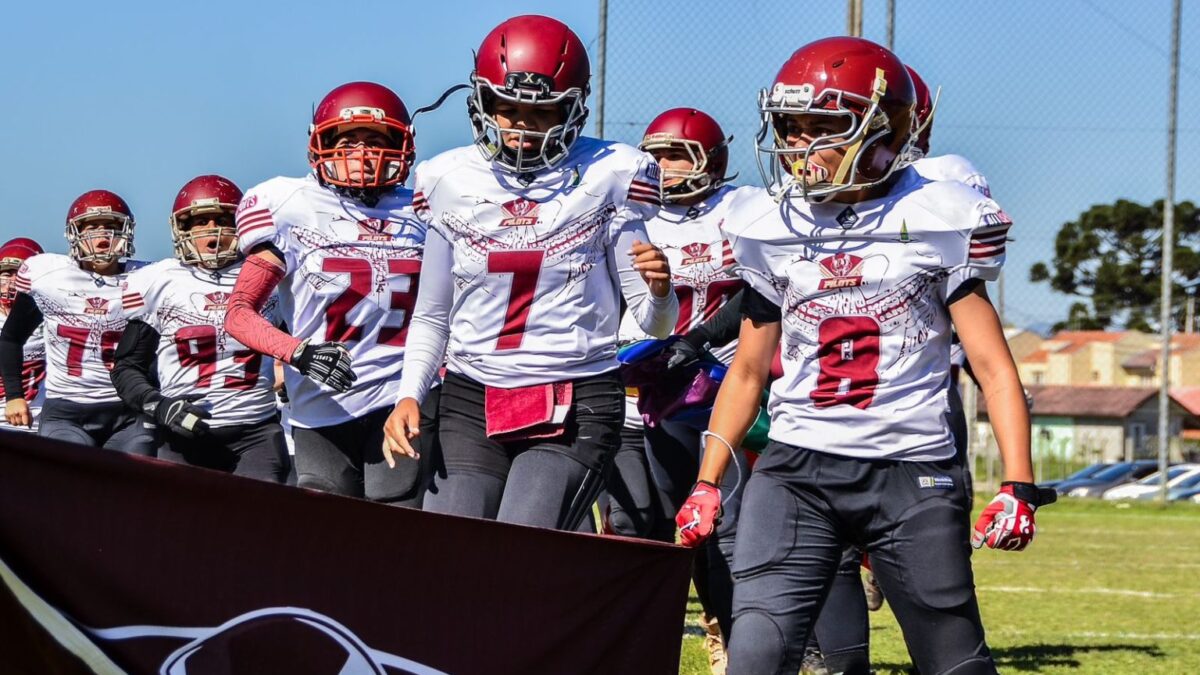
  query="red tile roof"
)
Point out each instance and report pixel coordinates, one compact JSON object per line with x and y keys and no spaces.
{"x":1085,"y":401}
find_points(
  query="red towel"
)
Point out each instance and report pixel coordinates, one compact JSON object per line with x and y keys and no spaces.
{"x":522,"y":413}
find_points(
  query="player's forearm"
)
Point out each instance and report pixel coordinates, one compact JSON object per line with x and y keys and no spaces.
{"x":23,"y":319}
{"x":733,"y":414}
{"x":131,"y":374}
{"x":720,"y":329}
{"x":424,"y":353}
{"x":1009,"y":417}
{"x":243,"y":320}
{"x":655,"y":314}
{"x":429,"y":330}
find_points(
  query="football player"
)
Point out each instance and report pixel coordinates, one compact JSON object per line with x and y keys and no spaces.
{"x":535,"y":235}
{"x":76,"y":301}
{"x":859,"y":270}
{"x":33,"y":366}
{"x":344,"y":248}
{"x":693,"y":154}
{"x":215,"y":405}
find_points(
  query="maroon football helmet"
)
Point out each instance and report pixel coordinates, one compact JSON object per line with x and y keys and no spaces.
{"x":353,"y":105}
{"x":101,"y":245}
{"x":537,"y":60}
{"x":926,"y":106}
{"x":13,"y":253}
{"x":867,"y":96}
{"x":697,"y":134}
{"x":202,"y":199}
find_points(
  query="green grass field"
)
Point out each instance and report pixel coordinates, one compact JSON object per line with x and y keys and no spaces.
{"x":1105,"y":588}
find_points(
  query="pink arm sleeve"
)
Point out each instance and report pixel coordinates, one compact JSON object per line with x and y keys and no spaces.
{"x":254,"y":285}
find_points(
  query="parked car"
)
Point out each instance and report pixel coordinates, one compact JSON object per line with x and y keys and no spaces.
{"x":1086,"y":472}
{"x":1190,"y":494}
{"x":1112,"y":476}
{"x":1151,"y":484}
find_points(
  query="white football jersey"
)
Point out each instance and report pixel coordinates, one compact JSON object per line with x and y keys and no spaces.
{"x":702,"y":265}
{"x":959,"y":168}
{"x":352,"y":273}
{"x":33,"y":375}
{"x":186,"y":305}
{"x":953,"y":167}
{"x":862,"y":290}
{"x":83,"y":319}
{"x":530,"y":275}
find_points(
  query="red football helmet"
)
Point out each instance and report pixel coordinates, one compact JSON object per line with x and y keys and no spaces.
{"x":866,"y":94}
{"x":361,"y":104}
{"x":202,"y":199}
{"x":13,"y":253}
{"x":530,"y":59}
{"x":926,"y":106}
{"x":101,"y":245}
{"x":697,"y":134}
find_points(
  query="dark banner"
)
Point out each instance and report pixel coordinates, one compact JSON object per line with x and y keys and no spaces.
{"x":111,"y":563}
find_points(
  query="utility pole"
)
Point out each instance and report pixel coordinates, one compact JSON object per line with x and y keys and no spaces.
{"x":854,"y":18}
{"x":601,"y":49}
{"x":1168,"y":259}
{"x":891,"y":25}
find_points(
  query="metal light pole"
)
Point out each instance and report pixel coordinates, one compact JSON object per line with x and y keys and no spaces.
{"x":854,"y":18}
{"x":601,"y":48}
{"x":891,"y":25}
{"x":1168,"y":254}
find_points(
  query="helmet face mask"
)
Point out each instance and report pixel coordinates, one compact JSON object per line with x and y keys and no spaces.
{"x":863,"y":114}
{"x":203,"y":225}
{"x":692,"y":151}
{"x":197,"y":243}
{"x":548,"y":147}
{"x":99,"y":228}
{"x":529,"y":61}
{"x":364,"y":168}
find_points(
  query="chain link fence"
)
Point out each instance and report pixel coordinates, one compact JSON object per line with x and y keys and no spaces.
{"x":1061,"y":105}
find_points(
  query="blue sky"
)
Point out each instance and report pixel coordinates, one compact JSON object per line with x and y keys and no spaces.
{"x":1062,"y":104}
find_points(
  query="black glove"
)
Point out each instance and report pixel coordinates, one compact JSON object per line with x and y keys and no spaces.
{"x":682,"y":353}
{"x":179,"y":415}
{"x":327,"y":363}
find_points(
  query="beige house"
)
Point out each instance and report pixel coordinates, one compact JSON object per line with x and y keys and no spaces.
{"x":1143,"y":368}
{"x":1084,"y":358}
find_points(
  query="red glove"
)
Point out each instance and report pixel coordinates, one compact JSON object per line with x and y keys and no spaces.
{"x":1007,"y":522}
{"x":699,"y":515}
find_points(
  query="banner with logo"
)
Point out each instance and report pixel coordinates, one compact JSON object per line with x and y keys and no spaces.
{"x":111,"y":563}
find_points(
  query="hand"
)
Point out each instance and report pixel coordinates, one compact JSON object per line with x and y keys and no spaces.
{"x":17,"y":413}
{"x":698,"y":517}
{"x":403,"y":425}
{"x":651,"y":263}
{"x":327,"y":363}
{"x":180,"y":415}
{"x":682,"y":353}
{"x":1007,"y":522}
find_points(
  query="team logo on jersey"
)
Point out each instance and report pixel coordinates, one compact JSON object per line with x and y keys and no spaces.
{"x":847,"y":218}
{"x":695,"y":253}
{"x":96,"y":306}
{"x":841,"y":270}
{"x":373,"y":229}
{"x":521,"y":213}
{"x":217,"y":301}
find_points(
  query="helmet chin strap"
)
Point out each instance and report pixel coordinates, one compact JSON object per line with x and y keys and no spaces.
{"x":850,"y":159}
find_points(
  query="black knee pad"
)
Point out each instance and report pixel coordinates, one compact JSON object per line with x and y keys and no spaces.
{"x":314,"y":482}
{"x":976,"y":665}
{"x":938,"y":558}
{"x":852,"y":662}
{"x":620,"y":522}
{"x":756,"y":645}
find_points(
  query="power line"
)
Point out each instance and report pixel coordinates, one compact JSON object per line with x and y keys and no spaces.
{"x":1149,"y":43}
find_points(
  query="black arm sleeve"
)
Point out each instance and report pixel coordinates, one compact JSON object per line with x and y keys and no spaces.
{"x":23,"y":319}
{"x":757,"y":308}
{"x":721,"y":328}
{"x":133,"y":373}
